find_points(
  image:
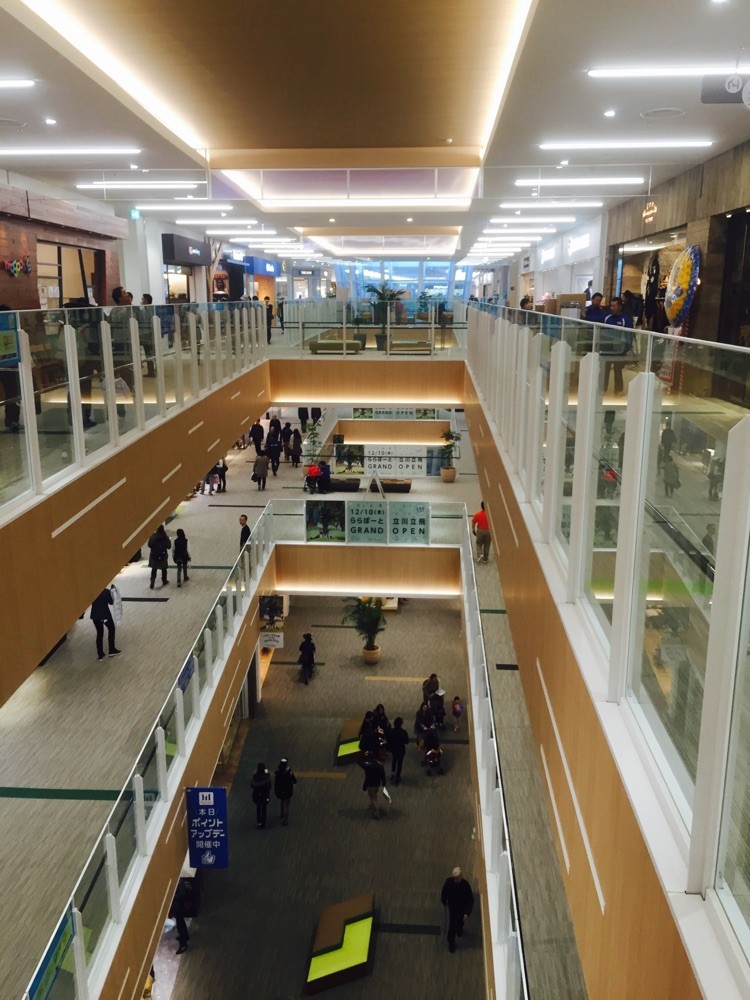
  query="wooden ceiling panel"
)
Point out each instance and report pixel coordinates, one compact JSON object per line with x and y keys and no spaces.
{"x":281,"y":74}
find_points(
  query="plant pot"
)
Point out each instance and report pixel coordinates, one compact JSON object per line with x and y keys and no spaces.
{"x":371,"y":656}
{"x":381,"y":340}
{"x":448,"y":473}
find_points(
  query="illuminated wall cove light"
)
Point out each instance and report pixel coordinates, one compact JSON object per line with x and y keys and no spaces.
{"x":515,"y":220}
{"x":179,"y":205}
{"x":656,"y":72}
{"x":15,"y":84}
{"x":69,"y":151}
{"x":546,"y":203}
{"x":139,"y":185}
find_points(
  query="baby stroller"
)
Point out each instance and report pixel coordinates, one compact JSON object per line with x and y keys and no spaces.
{"x":433,"y":755}
{"x":437,"y":707}
{"x":311,"y":479}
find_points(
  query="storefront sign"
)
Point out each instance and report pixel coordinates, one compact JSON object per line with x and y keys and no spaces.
{"x":409,"y":523}
{"x":395,"y":460}
{"x":649,"y":212}
{"x":8,"y":339}
{"x":724,"y":89}
{"x":367,"y":522}
{"x":208,"y":827}
{"x":180,"y":250}
{"x":578,"y":243}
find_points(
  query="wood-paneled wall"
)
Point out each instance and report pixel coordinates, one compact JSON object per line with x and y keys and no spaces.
{"x":362,"y":382}
{"x":632,"y":950}
{"x":154,"y":473}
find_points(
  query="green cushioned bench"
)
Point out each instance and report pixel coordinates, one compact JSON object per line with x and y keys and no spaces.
{"x":347,"y":747}
{"x":342,"y":948}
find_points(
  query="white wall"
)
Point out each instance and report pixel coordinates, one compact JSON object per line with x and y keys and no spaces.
{"x":141,"y":263}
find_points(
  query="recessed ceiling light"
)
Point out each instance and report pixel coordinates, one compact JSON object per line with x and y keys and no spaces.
{"x":656,"y":72}
{"x":133,"y":166}
{"x":551,"y":203}
{"x":505,"y":231}
{"x":449,"y":140}
{"x":50,"y":121}
{"x":564,"y":163}
{"x":180,"y":204}
{"x":629,"y":144}
{"x":518,"y":212}
{"x":139,"y":185}
{"x":500,"y":220}
{"x":610,"y":113}
{"x":659,"y":114}
{"x":410,"y":219}
{"x":70,"y":151}
{"x":331,"y":220}
{"x":16,"y":84}
{"x":729,"y":215}
{"x":580,"y":181}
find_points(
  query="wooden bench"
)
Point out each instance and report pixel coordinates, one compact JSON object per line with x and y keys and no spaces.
{"x":335,"y":346}
{"x":342,"y":947}
{"x":392,"y":485}
{"x":347,"y":747}
{"x":348,"y":484}
{"x":410,"y":346}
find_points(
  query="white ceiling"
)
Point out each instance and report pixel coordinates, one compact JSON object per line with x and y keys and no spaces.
{"x":550,"y":98}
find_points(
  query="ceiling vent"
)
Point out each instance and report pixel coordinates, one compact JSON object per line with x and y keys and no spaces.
{"x":659,"y":114}
{"x":11,"y":123}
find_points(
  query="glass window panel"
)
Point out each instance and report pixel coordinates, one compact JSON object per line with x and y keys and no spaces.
{"x":122,"y":828}
{"x":91,"y":899}
{"x":15,"y":476}
{"x":92,"y":385}
{"x":684,"y":472}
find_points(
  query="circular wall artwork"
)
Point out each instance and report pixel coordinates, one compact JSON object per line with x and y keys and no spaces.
{"x":681,"y":286}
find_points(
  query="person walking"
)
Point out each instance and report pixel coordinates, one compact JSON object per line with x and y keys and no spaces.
{"x":284,"y":780}
{"x":616,"y":344}
{"x":671,"y":476}
{"x":181,"y":556}
{"x":373,"y":781}
{"x":269,"y":317}
{"x":429,"y":687}
{"x":221,"y":471}
{"x":256,"y":435}
{"x":480,"y":526}
{"x":457,"y":896}
{"x":398,"y":740}
{"x":296,"y":447}
{"x":261,"y":786}
{"x":244,"y":531}
{"x":101,"y":616}
{"x":274,"y":425}
{"x":316,"y":413}
{"x":286,"y":439}
{"x":159,"y":545}
{"x":304,"y":415}
{"x":307,"y":657}
{"x":177,"y":911}
{"x":280,"y":313}
{"x":260,"y":469}
{"x":273,"y":450}
{"x":457,"y":710}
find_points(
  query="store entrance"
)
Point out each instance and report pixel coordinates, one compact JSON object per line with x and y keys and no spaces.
{"x":65,"y":273}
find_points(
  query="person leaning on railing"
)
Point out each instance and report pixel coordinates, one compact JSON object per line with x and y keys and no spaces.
{"x":616,"y":342}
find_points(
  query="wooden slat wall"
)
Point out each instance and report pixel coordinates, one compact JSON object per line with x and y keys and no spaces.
{"x":633,"y":949}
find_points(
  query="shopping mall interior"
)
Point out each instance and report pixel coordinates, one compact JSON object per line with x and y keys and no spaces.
{"x":300,"y":343}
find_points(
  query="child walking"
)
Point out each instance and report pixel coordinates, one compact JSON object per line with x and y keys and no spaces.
{"x":457,"y":710}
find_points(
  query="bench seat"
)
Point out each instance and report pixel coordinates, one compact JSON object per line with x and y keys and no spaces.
{"x":342,"y":947}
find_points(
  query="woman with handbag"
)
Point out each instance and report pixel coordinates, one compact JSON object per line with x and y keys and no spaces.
{"x":261,"y":786}
{"x":181,"y":556}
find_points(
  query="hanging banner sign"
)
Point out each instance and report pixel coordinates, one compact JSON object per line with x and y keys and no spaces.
{"x":395,"y":460}
{"x":367,"y":522}
{"x":409,"y":523}
{"x":271,"y":612}
{"x":208,"y":827}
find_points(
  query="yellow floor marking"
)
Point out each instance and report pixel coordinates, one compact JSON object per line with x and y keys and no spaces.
{"x":336,"y":775}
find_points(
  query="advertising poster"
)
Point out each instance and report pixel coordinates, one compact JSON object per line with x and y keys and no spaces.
{"x":271,"y":612}
{"x":325,"y":520}
{"x":349,"y":459}
{"x":395,"y":460}
{"x":409,"y":523}
{"x":362,"y":413}
{"x":208,"y":827}
{"x":8,"y":339}
{"x":425,"y":414}
{"x":367,"y":522}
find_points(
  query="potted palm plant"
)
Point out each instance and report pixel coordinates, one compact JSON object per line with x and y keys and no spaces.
{"x":384,"y":294}
{"x":447,"y":468}
{"x":366,"y":615}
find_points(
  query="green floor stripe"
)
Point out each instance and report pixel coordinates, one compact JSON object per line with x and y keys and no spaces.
{"x":93,"y":794}
{"x":492,"y":611}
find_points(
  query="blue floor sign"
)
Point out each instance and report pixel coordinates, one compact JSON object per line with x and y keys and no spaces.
{"x":208,"y":827}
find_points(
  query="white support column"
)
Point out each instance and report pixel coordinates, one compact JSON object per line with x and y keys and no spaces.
{"x":503,"y":899}
{"x":74,"y":394}
{"x":113,"y":878}
{"x":583,"y":482}
{"x":237,"y":341}
{"x":246,"y":353}
{"x":179,"y":719}
{"x":161,"y":765}
{"x":179,"y":389}
{"x":80,"y":973}
{"x":727,"y":645}
{"x":219,"y":347}
{"x":205,"y":336}
{"x":534,"y":410}
{"x":513,"y":966}
{"x":555,"y":451}
{"x":110,"y":393}
{"x":161,"y":395}
{"x":29,"y":413}
{"x":135,"y":348}
{"x":219,"y":632}
{"x":230,"y":609}
{"x":522,"y":408}
{"x":248,"y":570}
{"x":139,"y":804}
{"x":195,"y":692}
{"x":638,"y":418}
{"x":208,"y":655}
{"x":194,"y":379}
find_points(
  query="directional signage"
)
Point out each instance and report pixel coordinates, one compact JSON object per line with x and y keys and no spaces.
{"x":208,"y":827}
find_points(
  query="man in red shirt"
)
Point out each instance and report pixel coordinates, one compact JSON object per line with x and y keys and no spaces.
{"x":481,"y":528}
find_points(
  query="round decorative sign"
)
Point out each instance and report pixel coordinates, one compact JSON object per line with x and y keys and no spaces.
{"x":681,"y":286}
